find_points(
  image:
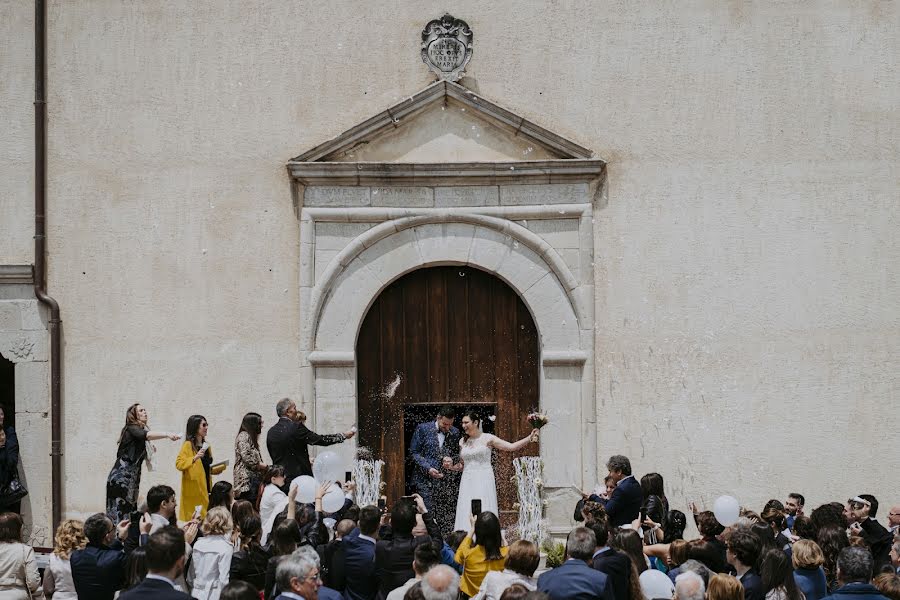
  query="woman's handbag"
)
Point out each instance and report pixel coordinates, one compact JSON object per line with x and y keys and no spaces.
{"x":12,"y":492}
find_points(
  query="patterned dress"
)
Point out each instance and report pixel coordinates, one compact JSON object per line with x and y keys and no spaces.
{"x":247,"y":459}
{"x":124,"y":479}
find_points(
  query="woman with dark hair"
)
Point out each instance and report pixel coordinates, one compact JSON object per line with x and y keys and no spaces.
{"x":776,"y":519}
{"x":124,"y":479}
{"x":248,"y":464}
{"x":766,"y":536}
{"x":284,"y":542}
{"x":480,"y":552}
{"x":654,"y":508}
{"x":273,"y":500}
{"x":803,"y":528}
{"x":195,"y":462}
{"x":675,"y":525}
{"x":831,"y":540}
{"x":18,"y":569}
{"x":135,"y":568}
{"x":478,"y":474}
{"x":239,"y":590}
{"x":221,"y":494}
{"x":630,"y":542}
{"x":778,"y":576}
{"x":249,"y":561}
{"x":828,"y":515}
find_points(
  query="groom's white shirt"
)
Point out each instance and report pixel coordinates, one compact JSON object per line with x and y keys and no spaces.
{"x":441,"y":435}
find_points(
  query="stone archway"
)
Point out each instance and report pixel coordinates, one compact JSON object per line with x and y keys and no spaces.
{"x":532,"y":268}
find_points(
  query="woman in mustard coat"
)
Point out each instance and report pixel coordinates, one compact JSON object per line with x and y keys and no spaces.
{"x":195,"y":463}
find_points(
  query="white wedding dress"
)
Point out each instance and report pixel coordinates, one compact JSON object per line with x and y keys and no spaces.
{"x":477,"y":480}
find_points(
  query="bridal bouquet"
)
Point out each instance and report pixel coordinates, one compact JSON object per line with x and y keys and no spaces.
{"x":537,"y":420}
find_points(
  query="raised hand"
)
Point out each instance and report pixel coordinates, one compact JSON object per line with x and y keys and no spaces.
{"x":146,"y":523}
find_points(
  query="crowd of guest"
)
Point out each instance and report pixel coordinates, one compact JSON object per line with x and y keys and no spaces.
{"x":253,"y":540}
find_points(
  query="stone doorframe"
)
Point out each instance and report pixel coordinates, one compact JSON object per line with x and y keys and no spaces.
{"x":24,"y":340}
{"x":394,"y":241}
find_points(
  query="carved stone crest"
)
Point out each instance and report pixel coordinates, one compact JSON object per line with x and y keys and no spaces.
{"x":447,"y":47}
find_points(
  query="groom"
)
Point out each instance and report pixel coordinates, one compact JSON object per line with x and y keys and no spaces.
{"x":435,"y":445}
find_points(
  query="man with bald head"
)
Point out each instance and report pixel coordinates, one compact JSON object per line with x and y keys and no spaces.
{"x":440,"y":583}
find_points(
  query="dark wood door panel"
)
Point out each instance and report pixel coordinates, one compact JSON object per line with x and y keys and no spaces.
{"x":449,"y":335}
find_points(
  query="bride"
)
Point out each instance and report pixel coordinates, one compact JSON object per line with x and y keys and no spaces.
{"x":478,"y":475}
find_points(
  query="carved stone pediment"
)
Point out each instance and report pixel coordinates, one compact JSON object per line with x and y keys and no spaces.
{"x":439,"y":135}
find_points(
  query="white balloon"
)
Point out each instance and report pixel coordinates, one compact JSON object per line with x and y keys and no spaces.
{"x":727,"y":510}
{"x":327,"y":467}
{"x":333,"y":500}
{"x":307,"y":488}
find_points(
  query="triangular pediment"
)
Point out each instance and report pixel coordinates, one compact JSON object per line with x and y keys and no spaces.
{"x":445,"y":123}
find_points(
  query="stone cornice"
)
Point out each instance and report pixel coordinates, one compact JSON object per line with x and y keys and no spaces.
{"x":16,"y":274}
{"x":445,"y":174}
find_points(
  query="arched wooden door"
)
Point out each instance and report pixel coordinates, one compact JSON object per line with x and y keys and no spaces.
{"x":445,"y":335}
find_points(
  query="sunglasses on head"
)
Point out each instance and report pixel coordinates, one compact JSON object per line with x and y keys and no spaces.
{"x":857,"y":503}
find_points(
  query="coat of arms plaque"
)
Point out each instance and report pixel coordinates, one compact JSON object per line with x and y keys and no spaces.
{"x":447,"y":47}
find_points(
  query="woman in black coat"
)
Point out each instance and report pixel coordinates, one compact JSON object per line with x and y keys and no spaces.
{"x":10,"y":498}
{"x":655,"y":507}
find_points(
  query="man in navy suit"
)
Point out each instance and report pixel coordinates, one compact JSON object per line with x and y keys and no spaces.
{"x":359,"y":556}
{"x":614,"y":564}
{"x":574,"y":579}
{"x":742,"y":553}
{"x":98,"y":569}
{"x":435,"y":478}
{"x":165,"y":564}
{"x":624,"y":504}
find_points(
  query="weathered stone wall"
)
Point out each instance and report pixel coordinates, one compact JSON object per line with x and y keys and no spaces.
{"x":746,"y":262}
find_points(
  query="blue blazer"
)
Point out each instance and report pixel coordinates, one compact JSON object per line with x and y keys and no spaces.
{"x":98,"y":571}
{"x":812,"y":583}
{"x":856,"y":591}
{"x":153,"y":589}
{"x":359,"y":567}
{"x":624,"y":504}
{"x":575,"y":580}
{"x":426,"y":450}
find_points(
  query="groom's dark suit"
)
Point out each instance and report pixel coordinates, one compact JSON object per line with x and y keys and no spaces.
{"x":427,"y":453}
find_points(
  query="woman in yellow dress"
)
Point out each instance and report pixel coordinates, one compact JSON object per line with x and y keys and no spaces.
{"x":195,"y":463}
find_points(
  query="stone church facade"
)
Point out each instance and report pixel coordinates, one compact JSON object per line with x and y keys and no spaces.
{"x":700,"y":227}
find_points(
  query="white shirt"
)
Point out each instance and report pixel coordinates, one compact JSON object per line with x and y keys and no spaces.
{"x":292,"y":595}
{"x":397,"y":594}
{"x":441,"y":435}
{"x":367,"y":538}
{"x":210,"y":565}
{"x":157,"y":522}
{"x":273,"y":502}
{"x":495,"y":583}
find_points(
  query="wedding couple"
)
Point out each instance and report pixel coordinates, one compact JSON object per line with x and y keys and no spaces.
{"x":441,"y":455}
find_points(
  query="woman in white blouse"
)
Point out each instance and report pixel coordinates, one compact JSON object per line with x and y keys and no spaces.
{"x":58,"y":582}
{"x":211,"y":557}
{"x":19,"y":578}
{"x":273,"y":500}
{"x":521,"y":563}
